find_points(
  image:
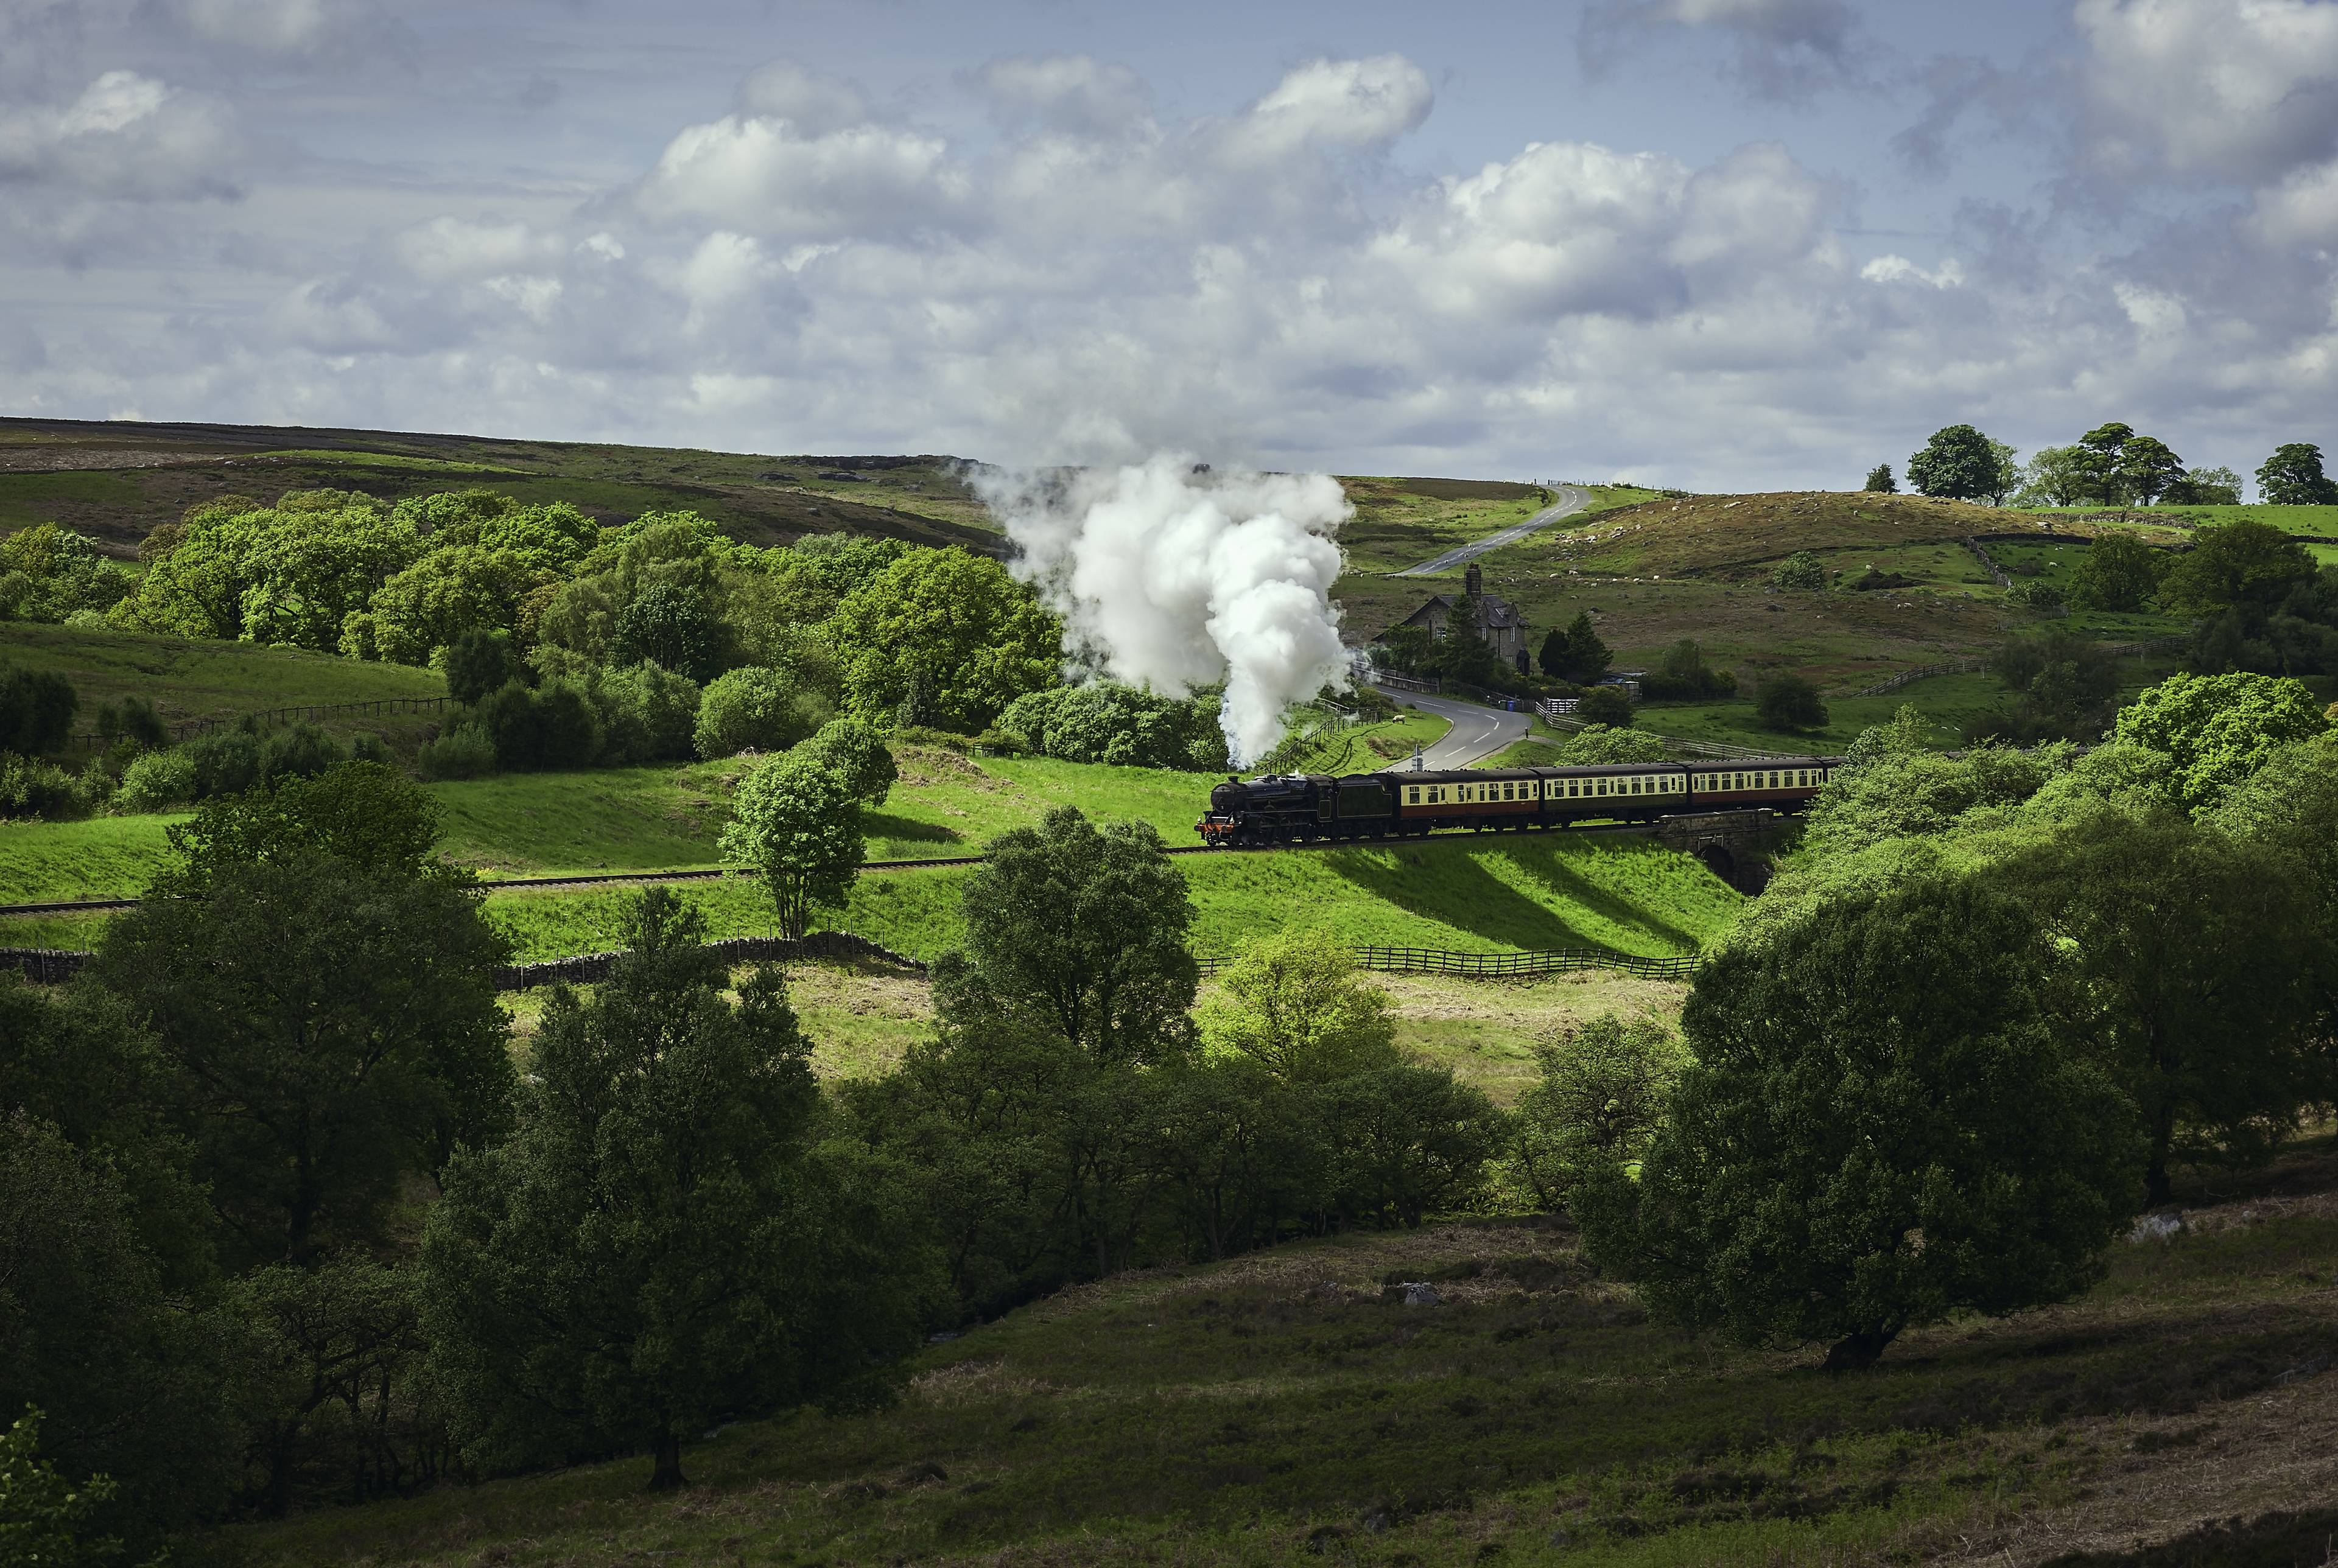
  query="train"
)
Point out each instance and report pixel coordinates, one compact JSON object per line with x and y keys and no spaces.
{"x":1320,"y":807}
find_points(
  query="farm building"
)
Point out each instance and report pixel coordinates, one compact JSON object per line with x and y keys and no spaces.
{"x":1499,"y":622}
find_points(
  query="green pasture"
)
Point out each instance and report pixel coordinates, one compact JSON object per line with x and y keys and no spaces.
{"x":1461,"y":893}
{"x":30,"y":498}
{"x":188,"y":678}
{"x":2322,"y":520}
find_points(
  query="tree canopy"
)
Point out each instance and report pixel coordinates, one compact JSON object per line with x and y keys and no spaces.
{"x":1959,"y":463}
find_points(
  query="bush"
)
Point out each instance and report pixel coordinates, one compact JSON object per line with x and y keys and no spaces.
{"x":1596,"y":744}
{"x":550,"y":727}
{"x":1609,"y":705}
{"x":754,"y":708}
{"x":298,"y":751}
{"x":463,"y":752}
{"x":859,"y":755}
{"x":225,"y":762}
{"x":668,"y":624}
{"x":1128,"y":726}
{"x":133,"y":720}
{"x":37,"y":711}
{"x":1597,"y":1101}
{"x":647,"y":713}
{"x":370,"y":748}
{"x":1788,"y":702}
{"x":158,"y":781}
{"x":29,"y":788}
{"x":1801,"y":570}
{"x":481,"y":662}
{"x":1684,"y":676}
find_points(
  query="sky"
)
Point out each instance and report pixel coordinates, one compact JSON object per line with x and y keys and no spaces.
{"x":1718,"y":244}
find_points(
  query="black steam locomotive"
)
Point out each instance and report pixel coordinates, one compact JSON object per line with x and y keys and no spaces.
{"x":1308,"y":808}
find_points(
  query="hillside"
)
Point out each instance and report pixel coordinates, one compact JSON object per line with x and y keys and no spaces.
{"x":116,"y":481}
{"x":1289,"y":1405}
{"x":1661,"y":570}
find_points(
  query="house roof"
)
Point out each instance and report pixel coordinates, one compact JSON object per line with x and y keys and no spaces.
{"x":1493,"y":614}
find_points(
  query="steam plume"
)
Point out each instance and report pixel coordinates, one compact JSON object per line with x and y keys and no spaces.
{"x":1177,"y":579}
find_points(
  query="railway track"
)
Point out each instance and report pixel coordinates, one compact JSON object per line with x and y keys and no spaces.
{"x":650,"y":878}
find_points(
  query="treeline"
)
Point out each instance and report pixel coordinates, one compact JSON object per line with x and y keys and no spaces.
{"x":2109,"y":465}
{"x":567,"y":645}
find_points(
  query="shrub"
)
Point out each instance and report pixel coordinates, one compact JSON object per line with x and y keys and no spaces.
{"x":133,"y":720}
{"x":1788,"y":702}
{"x":158,"y":781}
{"x":479,"y":661}
{"x":1597,"y":1101}
{"x":225,"y":762}
{"x":1595,"y":744}
{"x":1801,"y":570}
{"x":1105,"y":722}
{"x":298,"y":751}
{"x":371,"y":747}
{"x":463,"y":752}
{"x":1609,"y":705}
{"x":37,"y":711}
{"x":647,"y":713}
{"x":550,"y":727}
{"x":31,"y":788}
{"x":754,"y":708}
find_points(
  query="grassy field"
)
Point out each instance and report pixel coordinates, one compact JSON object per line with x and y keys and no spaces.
{"x":1462,"y":894}
{"x":1366,"y":747}
{"x":189,"y":679}
{"x":1285,"y":1406}
{"x":2322,"y":520}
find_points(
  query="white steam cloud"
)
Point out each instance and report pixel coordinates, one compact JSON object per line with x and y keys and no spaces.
{"x":1170,"y":578}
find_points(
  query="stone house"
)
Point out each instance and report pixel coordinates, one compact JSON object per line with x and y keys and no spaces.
{"x":1499,"y":622}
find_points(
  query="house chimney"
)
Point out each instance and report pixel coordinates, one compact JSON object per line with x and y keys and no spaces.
{"x":1473,"y":581}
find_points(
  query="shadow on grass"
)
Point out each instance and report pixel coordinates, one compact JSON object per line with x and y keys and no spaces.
{"x":1453,"y":883}
{"x":884,"y":825}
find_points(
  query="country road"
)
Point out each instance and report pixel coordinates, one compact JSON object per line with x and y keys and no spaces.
{"x":1572,"y":498}
{"x":1477,"y":732}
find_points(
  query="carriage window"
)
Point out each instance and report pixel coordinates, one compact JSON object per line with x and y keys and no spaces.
{"x":1412,"y":796}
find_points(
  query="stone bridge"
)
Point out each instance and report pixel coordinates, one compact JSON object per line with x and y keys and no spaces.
{"x":1735,"y":844}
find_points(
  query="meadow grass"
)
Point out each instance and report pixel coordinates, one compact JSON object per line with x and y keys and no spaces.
{"x":1461,"y":893}
{"x":189,"y":677}
{"x":1286,"y":1406}
{"x":2322,"y":520}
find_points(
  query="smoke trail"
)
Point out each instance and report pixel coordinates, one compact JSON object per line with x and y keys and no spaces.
{"x":1177,"y":579}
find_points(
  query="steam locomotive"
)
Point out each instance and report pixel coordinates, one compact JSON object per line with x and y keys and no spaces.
{"x":1309,"y":807}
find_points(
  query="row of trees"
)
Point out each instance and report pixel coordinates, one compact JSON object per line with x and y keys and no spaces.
{"x":2109,"y":465}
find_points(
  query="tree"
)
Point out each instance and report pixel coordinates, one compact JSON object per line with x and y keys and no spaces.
{"x":1597,"y":1101}
{"x":1608,"y":705}
{"x":2293,"y":477}
{"x":860,"y":757}
{"x":1296,"y":1008}
{"x":1801,"y":570}
{"x":957,"y":623}
{"x":796,"y":820}
{"x":2057,"y":476}
{"x":426,"y":607}
{"x":2118,"y":571}
{"x":1584,"y":657}
{"x":1461,"y":652}
{"x":2241,"y":563}
{"x":1080,"y":928}
{"x":754,"y":708}
{"x":37,"y":711}
{"x":2193,"y":958}
{"x":552,"y":726}
{"x":668,"y":624}
{"x":1880,"y":481}
{"x":2066,"y":682}
{"x":327,"y":1008}
{"x":2218,"y":730}
{"x":660,"y":1243}
{"x":2206,"y":487}
{"x":2007,"y":476}
{"x":480,"y":661}
{"x":132,"y":1384}
{"x":44,"y":1518}
{"x":1405,"y":649}
{"x":2146,"y":468}
{"x":1595,"y":744}
{"x":1879,"y":1130}
{"x":1787,"y":702}
{"x":1959,"y":463}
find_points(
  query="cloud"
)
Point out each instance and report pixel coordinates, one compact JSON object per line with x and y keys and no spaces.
{"x":764,"y":175}
{"x":810,"y":104}
{"x":1075,"y":95}
{"x":127,"y":137}
{"x":1784,"y":48}
{"x":2243,"y":90}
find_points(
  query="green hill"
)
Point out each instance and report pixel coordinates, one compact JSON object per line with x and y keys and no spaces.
{"x":1287,"y":1406}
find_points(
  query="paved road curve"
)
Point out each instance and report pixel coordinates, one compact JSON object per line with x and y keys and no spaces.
{"x":1477,"y":732}
{"x":1572,"y":498}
